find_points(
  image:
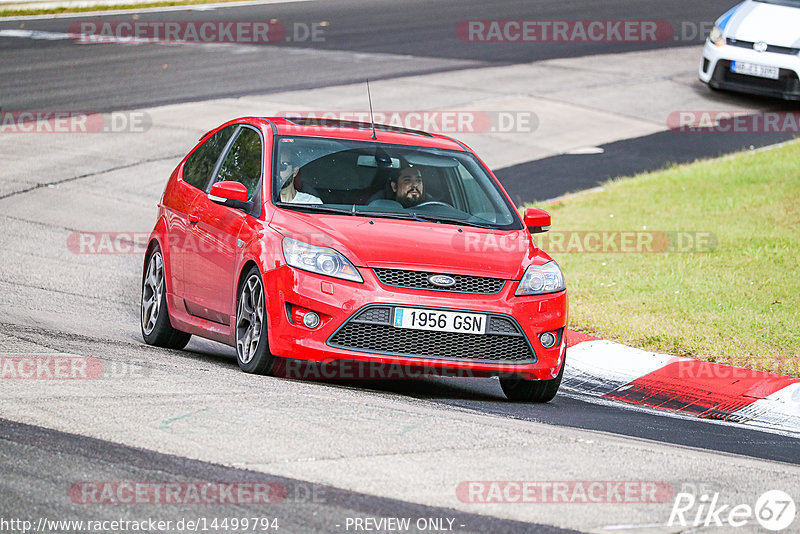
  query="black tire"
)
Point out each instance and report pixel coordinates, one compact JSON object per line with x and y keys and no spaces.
{"x":252,"y":355}
{"x":518,"y":389}
{"x":154,"y":322}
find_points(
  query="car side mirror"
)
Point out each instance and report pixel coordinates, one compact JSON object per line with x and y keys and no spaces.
{"x":537,"y":220}
{"x":231,"y":194}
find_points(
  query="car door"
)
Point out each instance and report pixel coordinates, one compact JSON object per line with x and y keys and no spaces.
{"x":192,"y":183}
{"x":210,"y":269}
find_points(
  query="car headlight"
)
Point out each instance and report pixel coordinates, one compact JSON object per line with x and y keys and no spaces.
{"x":716,"y":36}
{"x":540,"y":279}
{"x":321,"y":260}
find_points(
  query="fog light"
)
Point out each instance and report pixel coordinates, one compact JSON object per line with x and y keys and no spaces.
{"x":311,"y":320}
{"x":548,"y":339}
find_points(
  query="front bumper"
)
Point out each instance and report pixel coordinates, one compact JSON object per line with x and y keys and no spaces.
{"x":715,"y":70}
{"x":356,"y":326}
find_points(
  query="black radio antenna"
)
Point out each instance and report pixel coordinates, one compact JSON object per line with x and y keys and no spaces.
{"x":371,"y":119}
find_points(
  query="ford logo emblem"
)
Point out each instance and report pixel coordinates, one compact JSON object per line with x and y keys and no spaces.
{"x":760,"y":46}
{"x":441,"y":280}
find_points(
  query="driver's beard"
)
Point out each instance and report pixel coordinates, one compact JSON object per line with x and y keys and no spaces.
{"x":410,"y":203}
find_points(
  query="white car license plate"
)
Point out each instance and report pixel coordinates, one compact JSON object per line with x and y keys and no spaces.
{"x":444,"y":321}
{"x":752,"y":69}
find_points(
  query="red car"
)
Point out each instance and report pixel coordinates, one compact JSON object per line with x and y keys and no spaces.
{"x":346,"y":242}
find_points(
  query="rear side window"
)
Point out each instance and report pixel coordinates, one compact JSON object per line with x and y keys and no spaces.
{"x":243,"y":162}
{"x":200,"y":164}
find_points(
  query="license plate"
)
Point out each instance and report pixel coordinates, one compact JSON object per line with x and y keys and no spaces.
{"x":752,"y":69}
{"x":443,"y":321}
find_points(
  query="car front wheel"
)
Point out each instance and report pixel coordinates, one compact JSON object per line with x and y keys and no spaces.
{"x":252,"y":346}
{"x":520,"y":390}
{"x":156,"y":328}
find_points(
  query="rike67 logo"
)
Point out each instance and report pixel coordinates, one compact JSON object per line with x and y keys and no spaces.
{"x":774,"y":510}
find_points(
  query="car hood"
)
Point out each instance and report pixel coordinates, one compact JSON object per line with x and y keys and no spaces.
{"x":413,"y":245}
{"x":756,"y":21}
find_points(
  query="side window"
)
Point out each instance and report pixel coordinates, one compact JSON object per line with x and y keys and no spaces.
{"x":200,"y":164}
{"x":243,"y":162}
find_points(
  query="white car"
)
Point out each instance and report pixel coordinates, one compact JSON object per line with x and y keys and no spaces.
{"x":755,"y":48}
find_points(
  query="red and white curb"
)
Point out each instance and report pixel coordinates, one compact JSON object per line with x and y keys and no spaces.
{"x":682,"y":385}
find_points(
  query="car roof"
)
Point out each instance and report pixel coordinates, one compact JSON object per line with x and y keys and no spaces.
{"x":360,"y":131}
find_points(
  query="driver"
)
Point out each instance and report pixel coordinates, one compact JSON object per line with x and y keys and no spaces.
{"x":288,"y":170}
{"x":407,"y":185}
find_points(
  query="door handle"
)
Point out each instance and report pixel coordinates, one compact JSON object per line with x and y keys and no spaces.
{"x":194,"y":218}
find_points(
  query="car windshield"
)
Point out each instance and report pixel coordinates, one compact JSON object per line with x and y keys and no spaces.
{"x":360,"y":178}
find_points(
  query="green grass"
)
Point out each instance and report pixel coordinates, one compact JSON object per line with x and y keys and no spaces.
{"x":133,"y":5}
{"x":738,"y":303}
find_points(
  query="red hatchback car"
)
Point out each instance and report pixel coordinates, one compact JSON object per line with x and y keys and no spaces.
{"x":346,"y":242}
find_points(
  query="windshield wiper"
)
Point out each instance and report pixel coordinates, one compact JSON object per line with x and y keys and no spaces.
{"x":439,"y":218}
{"x":414,"y":216}
{"x":315,"y":207}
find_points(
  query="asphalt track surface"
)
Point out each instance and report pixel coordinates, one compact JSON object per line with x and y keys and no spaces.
{"x":44,"y":74}
{"x":45,"y":459}
{"x":557,"y":175}
{"x":365,"y":38}
{"x":362,"y":40}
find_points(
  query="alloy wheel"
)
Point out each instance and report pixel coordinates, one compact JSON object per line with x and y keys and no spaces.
{"x":249,"y":319}
{"x":151,"y":292}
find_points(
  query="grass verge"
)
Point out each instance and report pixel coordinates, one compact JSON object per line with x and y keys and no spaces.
{"x":734,"y":300}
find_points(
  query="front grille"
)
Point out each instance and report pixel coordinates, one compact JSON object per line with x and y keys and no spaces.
{"x":501,"y":325}
{"x":419,"y":280}
{"x":376,"y":315}
{"x":770,"y":48}
{"x":371,"y":330}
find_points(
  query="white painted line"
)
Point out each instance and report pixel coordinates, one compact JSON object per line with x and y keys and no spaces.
{"x":585,"y":151}
{"x":235,"y":48}
{"x":35,"y":34}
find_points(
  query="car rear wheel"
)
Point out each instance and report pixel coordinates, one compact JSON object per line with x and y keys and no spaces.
{"x":520,"y":390}
{"x":252,"y":347}
{"x":156,"y":328}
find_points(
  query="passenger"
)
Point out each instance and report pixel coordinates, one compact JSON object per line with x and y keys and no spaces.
{"x":408,"y":186}
{"x":288,"y":170}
